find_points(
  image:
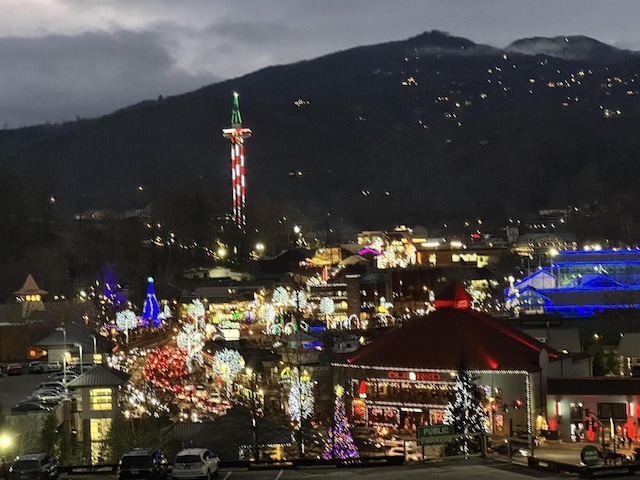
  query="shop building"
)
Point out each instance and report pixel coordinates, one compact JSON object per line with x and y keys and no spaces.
{"x":406,"y":378}
{"x":590,"y":409}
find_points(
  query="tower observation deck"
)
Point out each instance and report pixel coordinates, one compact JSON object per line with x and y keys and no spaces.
{"x":236,"y":133}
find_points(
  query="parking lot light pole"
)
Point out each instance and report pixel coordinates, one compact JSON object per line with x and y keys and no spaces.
{"x":254,"y":424}
{"x":93,"y":360}
{"x":79,"y":345}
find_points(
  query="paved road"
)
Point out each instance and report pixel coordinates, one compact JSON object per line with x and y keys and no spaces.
{"x":480,"y":469}
{"x":16,"y":388}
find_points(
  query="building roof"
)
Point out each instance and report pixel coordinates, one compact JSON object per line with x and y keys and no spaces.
{"x":596,"y":256}
{"x":445,"y":338}
{"x":30,"y":287}
{"x":594,"y":386}
{"x":592,"y":297}
{"x":76,"y":334}
{"x":99,"y":376}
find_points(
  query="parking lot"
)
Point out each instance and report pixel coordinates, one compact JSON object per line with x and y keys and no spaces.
{"x":17,"y":387}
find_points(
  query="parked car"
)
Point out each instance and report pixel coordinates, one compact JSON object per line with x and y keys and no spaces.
{"x":35,"y":466}
{"x":36,"y":367}
{"x":14,"y":369}
{"x":47,"y":396}
{"x":30,"y":406}
{"x":410,"y":454}
{"x":63,"y":377}
{"x":144,"y":463}
{"x":54,"y":366}
{"x":192,"y":463}
{"x":53,"y":385}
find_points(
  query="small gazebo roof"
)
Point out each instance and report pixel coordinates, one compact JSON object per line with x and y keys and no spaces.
{"x":30,"y":287}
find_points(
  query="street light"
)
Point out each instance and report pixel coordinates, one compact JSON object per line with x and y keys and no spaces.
{"x":79,"y":345}
{"x":93,"y":360}
{"x":64,"y":367}
{"x":64,"y":334}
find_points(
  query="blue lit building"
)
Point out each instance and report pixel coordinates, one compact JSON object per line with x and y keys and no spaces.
{"x":580,"y":284}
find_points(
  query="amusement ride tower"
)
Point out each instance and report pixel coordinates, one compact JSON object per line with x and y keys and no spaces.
{"x":236,"y":134}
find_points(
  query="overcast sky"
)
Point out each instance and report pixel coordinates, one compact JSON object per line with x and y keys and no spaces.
{"x":65,"y":58}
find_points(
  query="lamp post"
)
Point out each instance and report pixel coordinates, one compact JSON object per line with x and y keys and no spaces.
{"x":64,"y":367}
{"x":79,"y":345}
{"x":252,"y":388}
{"x":93,"y":360}
{"x":64,"y":354}
{"x":64,"y":335}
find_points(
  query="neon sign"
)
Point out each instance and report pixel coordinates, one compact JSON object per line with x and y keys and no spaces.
{"x":423,"y":376}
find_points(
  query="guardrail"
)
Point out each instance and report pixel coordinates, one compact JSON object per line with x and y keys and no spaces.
{"x":389,"y":460}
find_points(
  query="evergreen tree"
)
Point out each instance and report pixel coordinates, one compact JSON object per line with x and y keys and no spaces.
{"x":466,"y":413}
{"x":340,"y":443}
{"x":48,"y":433}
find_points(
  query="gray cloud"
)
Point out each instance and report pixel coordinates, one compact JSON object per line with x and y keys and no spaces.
{"x":57,"y":78}
{"x":90,"y":58}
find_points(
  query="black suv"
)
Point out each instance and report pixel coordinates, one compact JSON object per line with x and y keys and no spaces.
{"x":35,"y":466}
{"x":143,"y":463}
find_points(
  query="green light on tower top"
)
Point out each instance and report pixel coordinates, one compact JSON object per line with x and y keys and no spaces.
{"x":236,"y":118}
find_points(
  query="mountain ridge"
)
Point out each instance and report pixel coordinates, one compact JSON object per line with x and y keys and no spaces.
{"x":410,"y":131}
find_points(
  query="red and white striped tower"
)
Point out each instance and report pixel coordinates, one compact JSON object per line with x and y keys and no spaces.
{"x":236,"y":134}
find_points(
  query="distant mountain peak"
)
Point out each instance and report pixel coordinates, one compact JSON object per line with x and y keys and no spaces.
{"x":437,"y":41}
{"x":576,"y":47}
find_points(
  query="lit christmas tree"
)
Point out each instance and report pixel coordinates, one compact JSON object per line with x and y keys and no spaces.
{"x":327,"y":307}
{"x":340,"y":443}
{"x":301,"y":398}
{"x":165,"y":367}
{"x":196,"y":312}
{"x":227,"y":364}
{"x":466,"y":413}
{"x":191,"y":341}
{"x":151,"y":310}
{"x":126,"y":320}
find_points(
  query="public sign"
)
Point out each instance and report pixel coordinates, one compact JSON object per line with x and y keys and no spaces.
{"x":590,"y":455}
{"x":424,"y":431}
{"x":435,"y":434}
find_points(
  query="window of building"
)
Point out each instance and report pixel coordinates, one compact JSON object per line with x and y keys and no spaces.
{"x":101,"y":399}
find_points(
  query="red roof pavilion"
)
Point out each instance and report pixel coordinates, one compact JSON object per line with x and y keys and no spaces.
{"x":445,"y":338}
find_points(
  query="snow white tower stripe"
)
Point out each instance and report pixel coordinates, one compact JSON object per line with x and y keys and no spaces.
{"x":236,"y":134}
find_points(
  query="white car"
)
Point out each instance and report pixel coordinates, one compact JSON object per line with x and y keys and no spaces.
{"x":409,"y":454}
{"x":195,"y":463}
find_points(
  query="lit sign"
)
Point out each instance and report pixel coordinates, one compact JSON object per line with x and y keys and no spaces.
{"x":423,"y":376}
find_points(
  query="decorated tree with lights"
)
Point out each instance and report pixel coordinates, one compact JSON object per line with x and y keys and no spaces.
{"x":280,"y":296}
{"x":165,"y":368}
{"x":196,"y":312}
{"x":340,"y":442}
{"x":466,"y":413}
{"x":301,"y":397}
{"x":191,"y":341}
{"x":327,"y":307}
{"x":299,"y":299}
{"x":126,"y":320}
{"x":227,"y":364}
{"x":151,"y":310}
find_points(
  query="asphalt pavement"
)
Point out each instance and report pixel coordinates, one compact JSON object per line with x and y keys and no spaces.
{"x":16,"y":388}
